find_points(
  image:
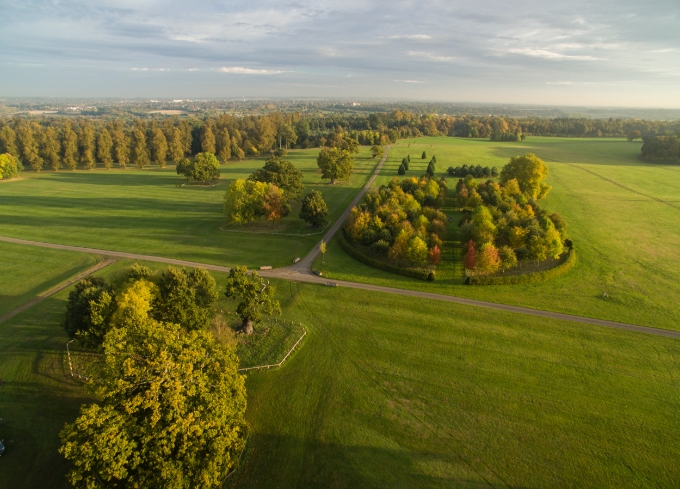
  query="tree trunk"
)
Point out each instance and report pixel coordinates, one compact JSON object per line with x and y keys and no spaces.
{"x":332,"y":181}
{"x":247,"y":327}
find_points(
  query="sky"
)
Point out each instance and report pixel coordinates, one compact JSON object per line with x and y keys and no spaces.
{"x":576,"y":52}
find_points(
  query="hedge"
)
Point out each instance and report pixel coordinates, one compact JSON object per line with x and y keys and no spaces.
{"x":355,"y":253}
{"x":528,"y":278}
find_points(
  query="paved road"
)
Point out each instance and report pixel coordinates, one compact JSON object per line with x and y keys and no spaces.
{"x":302,"y":272}
{"x":56,"y":289}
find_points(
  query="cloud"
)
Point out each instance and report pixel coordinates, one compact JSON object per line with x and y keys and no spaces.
{"x":409,"y":81}
{"x":240,"y":70}
{"x":419,"y":37}
{"x":431,"y":56}
{"x":546,"y":54}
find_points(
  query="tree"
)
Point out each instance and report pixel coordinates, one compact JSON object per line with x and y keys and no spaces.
{"x":283,"y":174}
{"x":204,"y":168}
{"x":171,"y":412}
{"x":529,"y":171}
{"x":86,"y":141}
{"x":488,"y":260}
{"x":8,"y":142}
{"x":430,"y":169}
{"x":223,"y":144}
{"x":51,"y":148}
{"x":8,"y":167}
{"x":175,"y":145}
{"x":416,"y":251}
{"x":159,"y":147}
{"x":434,"y":256}
{"x":88,"y":311}
{"x":255,"y":296}
{"x":424,"y":156}
{"x":104,"y":147}
{"x":377,"y":151}
{"x":69,"y":143}
{"x":634,"y":134}
{"x":335,"y":164}
{"x":244,"y":201}
{"x":314,"y":209}
{"x":401,"y":170}
{"x":140,"y":152}
{"x":186,"y":298}
{"x":470,"y":258}
{"x":323,"y":248}
{"x":121,"y":145}
{"x":28,"y":146}
{"x":275,"y":204}
{"x":207,"y":137}
{"x":508,"y":258}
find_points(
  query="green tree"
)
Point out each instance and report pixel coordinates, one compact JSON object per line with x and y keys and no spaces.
{"x":377,"y":151}
{"x":204,"y":168}
{"x":416,"y":251}
{"x":529,"y":171}
{"x":314,"y":209}
{"x":104,"y":147}
{"x":171,"y":412}
{"x":323,"y":247}
{"x":186,"y":298}
{"x":28,"y":146}
{"x":159,"y":147}
{"x":51,"y":148}
{"x":401,"y":170}
{"x":8,"y":167}
{"x":335,"y":164}
{"x":283,"y":174}
{"x":244,"y":201}
{"x":121,"y":144}
{"x":8,"y":142}
{"x":88,"y":311}
{"x":507,"y":257}
{"x":223,"y":144}
{"x":254,"y":295}
{"x":69,"y":146}
{"x":175,"y":146}
{"x":424,"y":156}
{"x":140,"y":152}
{"x":86,"y":142}
{"x":208,"y":137}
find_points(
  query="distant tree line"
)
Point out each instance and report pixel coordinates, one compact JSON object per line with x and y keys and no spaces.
{"x":87,"y":142}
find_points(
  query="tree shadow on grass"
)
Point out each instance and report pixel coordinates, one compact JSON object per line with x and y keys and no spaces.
{"x":285,"y":461}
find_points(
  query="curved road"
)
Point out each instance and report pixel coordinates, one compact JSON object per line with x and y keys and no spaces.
{"x":301,"y":272}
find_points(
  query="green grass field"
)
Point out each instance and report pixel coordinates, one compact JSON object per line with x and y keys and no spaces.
{"x":622,"y":215}
{"x":146,"y":212}
{"x":388,"y":393}
{"x":26,"y":272}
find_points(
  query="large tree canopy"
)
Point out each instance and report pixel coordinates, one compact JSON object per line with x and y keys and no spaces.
{"x":335,"y":164}
{"x":255,"y":296}
{"x":314,"y":209}
{"x":186,"y":297}
{"x":171,"y":412}
{"x":205,"y":168}
{"x":283,"y":174}
{"x":529,"y":171}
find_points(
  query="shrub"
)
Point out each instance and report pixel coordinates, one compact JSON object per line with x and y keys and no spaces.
{"x":527,"y":278}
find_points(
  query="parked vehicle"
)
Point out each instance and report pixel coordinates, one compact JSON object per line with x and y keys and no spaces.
{"x":2,"y":447}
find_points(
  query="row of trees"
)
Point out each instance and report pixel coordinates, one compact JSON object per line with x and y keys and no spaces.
{"x":267,"y":193}
{"x":401,"y":221}
{"x":171,"y":403}
{"x":503,"y":223}
{"x":476,"y":171}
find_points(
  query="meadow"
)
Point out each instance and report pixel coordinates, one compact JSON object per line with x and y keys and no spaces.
{"x":390,"y":393}
{"x":146,"y":211}
{"x":622,"y":215}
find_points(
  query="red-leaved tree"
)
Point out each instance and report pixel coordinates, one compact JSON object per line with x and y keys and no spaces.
{"x":435,"y":255}
{"x":470,"y":260}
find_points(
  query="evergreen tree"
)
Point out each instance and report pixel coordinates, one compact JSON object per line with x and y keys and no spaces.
{"x":424,"y":156}
{"x":69,"y":145}
{"x":159,"y":147}
{"x":87,"y":145}
{"x":104,"y":146}
{"x":401,"y":170}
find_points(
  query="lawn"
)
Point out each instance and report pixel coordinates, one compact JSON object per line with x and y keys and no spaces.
{"x":390,"y":393}
{"x":147,"y":212}
{"x":26,"y":272}
{"x":622,"y":215}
